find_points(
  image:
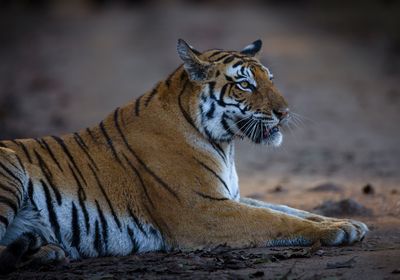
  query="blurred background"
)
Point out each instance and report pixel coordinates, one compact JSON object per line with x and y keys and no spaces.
{"x":65,"y":65}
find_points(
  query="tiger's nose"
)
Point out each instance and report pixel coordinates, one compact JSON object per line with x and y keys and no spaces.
{"x":281,"y":113}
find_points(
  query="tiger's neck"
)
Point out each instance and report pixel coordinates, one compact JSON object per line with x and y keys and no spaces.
{"x":172,"y":109}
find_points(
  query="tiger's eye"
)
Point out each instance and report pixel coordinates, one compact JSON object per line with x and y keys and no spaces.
{"x":244,"y":84}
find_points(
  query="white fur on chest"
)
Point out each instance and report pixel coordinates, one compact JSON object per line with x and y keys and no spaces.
{"x":227,"y":171}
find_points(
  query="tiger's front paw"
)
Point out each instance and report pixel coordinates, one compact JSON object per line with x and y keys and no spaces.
{"x":342,"y":232}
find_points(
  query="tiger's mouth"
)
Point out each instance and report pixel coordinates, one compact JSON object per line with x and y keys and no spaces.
{"x":259,"y":132}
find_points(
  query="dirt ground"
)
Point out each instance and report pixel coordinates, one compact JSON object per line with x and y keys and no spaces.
{"x":68,"y":69}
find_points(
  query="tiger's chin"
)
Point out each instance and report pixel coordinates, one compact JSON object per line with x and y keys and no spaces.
{"x":274,"y":139}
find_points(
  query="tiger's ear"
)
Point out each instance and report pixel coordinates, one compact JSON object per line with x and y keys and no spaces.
{"x":197,"y":69}
{"x":253,"y":49}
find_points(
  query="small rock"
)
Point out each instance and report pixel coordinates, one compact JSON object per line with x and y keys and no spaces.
{"x":277,"y":189}
{"x":368,"y":189}
{"x":346,"y":264}
{"x":320,"y":253}
{"x":327,"y":187}
{"x":396,"y":271}
{"x":345,"y":207}
{"x":394,"y":191}
{"x":257,"y":274}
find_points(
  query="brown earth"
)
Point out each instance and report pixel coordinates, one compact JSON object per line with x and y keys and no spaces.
{"x":68,"y":68}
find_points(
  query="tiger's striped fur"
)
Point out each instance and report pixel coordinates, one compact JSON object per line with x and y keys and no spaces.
{"x":159,"y":173}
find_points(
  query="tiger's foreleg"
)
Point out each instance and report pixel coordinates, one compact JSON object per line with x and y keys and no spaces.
{"x":359,"y":226}
{"x":12,"y":182}
{"x":239,"y":225}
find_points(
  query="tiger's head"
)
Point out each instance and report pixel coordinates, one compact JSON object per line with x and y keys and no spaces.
{"x":236,"y":94}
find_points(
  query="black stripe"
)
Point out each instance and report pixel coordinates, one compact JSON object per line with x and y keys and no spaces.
{"x":76,"y":231}
{"x":229,"y":79}
{"x":219,"y":149}
{"x":18,"y":188}
{"x":52,"y":214}
{"x":137,"y":105}
{"x":214,"y":54}
{"x":211,"y":197}
{"x":135,"y":243}
{"x":49,"y":177}
{"x":211,"y":86}
{"x":183,"y":75}
{"x":225,"y":125}
{"x":30,"y":193}
{"x":214,"y":173}
{"x":164,"y":229}
{"x":4,"y":220}
{"x":240,"y":62}
{"x":185,"y":114}
{"x":151,"y":95}
{"x":11,"y":161}
{"x":10,"y":203}
{"x":158,"y":179}
{"x":20,"y":163}
{"x":228,"y":60}
{"x":11,"y":191}
{"x":84,"y":148}
{"x":221,"y":95}
{"x":24,"y":149}
{"x":210,"y":113}
{"x":136,"y":221}
{"x":79,"y":139}
{"x":196,"y":52}
{"x":81,"y":198}
{"x":140,"y":179}
{"x":168,"y":80}
{"x":47,"y":147}
{"x":110,"y":143}
{"x":3,"y":145}
{"x":221,"y":57}
{"x":69,"y":155}
{"x":11,"y":174}
{"x":203,"y":97}
{"x":39,"y":141}
{"x":106,"y":197}
{"x":104,"y":225}
{"x":97,"y":238}
{"x":91,"y":135}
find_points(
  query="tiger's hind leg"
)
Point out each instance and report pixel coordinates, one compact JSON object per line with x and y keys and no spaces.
{"x":47,"y":254}
{"x":12,"y":182}
{"x":28,"y":249}
{"x":11,"y":256}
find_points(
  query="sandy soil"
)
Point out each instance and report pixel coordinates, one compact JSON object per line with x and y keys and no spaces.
{"x":67,"y":70}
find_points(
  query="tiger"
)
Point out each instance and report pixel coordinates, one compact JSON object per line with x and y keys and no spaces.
{"x":157,"y":174}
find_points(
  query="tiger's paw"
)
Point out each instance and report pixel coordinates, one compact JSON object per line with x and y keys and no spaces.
{"x":343,"y":232}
